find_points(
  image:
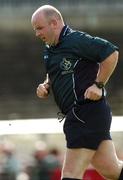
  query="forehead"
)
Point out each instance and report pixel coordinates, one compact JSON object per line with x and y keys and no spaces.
{"x":39,"y":19}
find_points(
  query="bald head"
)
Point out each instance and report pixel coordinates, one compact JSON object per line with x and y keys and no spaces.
{"x":49,"y":12}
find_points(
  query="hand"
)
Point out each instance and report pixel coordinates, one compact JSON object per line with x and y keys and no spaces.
{"x":93,"y":93}
{"x":43,"y":90}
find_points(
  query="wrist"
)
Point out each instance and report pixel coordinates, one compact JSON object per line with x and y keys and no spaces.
{"x":99,"y":84}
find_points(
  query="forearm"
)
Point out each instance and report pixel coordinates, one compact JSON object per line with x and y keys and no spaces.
{"x":107,"y":67}
{"x":47,"y":80}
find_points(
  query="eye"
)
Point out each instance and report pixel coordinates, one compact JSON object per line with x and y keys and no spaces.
{"x":39,"y":28}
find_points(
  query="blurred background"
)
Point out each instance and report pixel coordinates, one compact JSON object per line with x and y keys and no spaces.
{"x":22,"y":69}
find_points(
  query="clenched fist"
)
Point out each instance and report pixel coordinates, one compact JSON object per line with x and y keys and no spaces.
{"x":43,"y":90}
{"x":93,"y":93}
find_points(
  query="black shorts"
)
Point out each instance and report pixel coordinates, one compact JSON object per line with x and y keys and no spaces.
{"x":88,"y":124}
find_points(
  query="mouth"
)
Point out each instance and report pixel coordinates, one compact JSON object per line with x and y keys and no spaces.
{"x":43,"y":39}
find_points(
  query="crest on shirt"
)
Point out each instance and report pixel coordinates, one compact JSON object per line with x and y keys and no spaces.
{"x":66,"y":66}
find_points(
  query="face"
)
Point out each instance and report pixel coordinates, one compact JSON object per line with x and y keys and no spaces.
{"x":44,"y":29}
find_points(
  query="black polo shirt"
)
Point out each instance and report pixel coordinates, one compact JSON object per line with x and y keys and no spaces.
{"x":73,"y":65}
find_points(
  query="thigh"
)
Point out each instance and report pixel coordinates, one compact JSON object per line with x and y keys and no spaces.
{"x":76,"y":161}
{"x":105,"y":160}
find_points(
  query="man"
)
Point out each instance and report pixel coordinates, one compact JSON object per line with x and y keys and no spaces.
{"x":78,"y":67}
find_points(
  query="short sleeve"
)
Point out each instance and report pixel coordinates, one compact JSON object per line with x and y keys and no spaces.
{"x":93,"y":48}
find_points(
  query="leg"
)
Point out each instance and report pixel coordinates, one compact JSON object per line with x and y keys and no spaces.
{"x":76,"y":161}
{"x":83,"y":135}
{"x":106,"y":162}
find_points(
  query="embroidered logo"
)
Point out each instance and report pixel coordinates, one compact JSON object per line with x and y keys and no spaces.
{"x":66,"y":66}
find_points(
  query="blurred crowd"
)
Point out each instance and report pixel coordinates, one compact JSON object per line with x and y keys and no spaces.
{"x":46,"y":163}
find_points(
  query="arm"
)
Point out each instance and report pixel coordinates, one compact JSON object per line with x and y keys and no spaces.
{"x":107,"y":67}
{"x":105,"y":71}
{"x":43,"y":89}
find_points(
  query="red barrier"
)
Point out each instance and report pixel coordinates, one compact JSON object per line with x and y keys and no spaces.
{"x":92,"y":174}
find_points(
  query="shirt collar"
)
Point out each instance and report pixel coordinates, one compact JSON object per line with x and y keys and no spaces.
{"x":63,"y":32}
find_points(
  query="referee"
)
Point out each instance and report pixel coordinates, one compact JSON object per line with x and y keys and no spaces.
{"x":78,"y":66}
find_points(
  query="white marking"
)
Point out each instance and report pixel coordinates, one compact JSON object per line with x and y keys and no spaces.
{"x":44,"y":126}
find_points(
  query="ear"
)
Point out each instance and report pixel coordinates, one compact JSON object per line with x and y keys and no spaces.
{"x":54,"y":23}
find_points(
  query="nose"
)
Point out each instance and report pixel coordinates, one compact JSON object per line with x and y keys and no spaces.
{"x":38,"y":33}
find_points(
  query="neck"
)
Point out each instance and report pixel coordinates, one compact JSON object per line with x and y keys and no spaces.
{"x":58,"y":32}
